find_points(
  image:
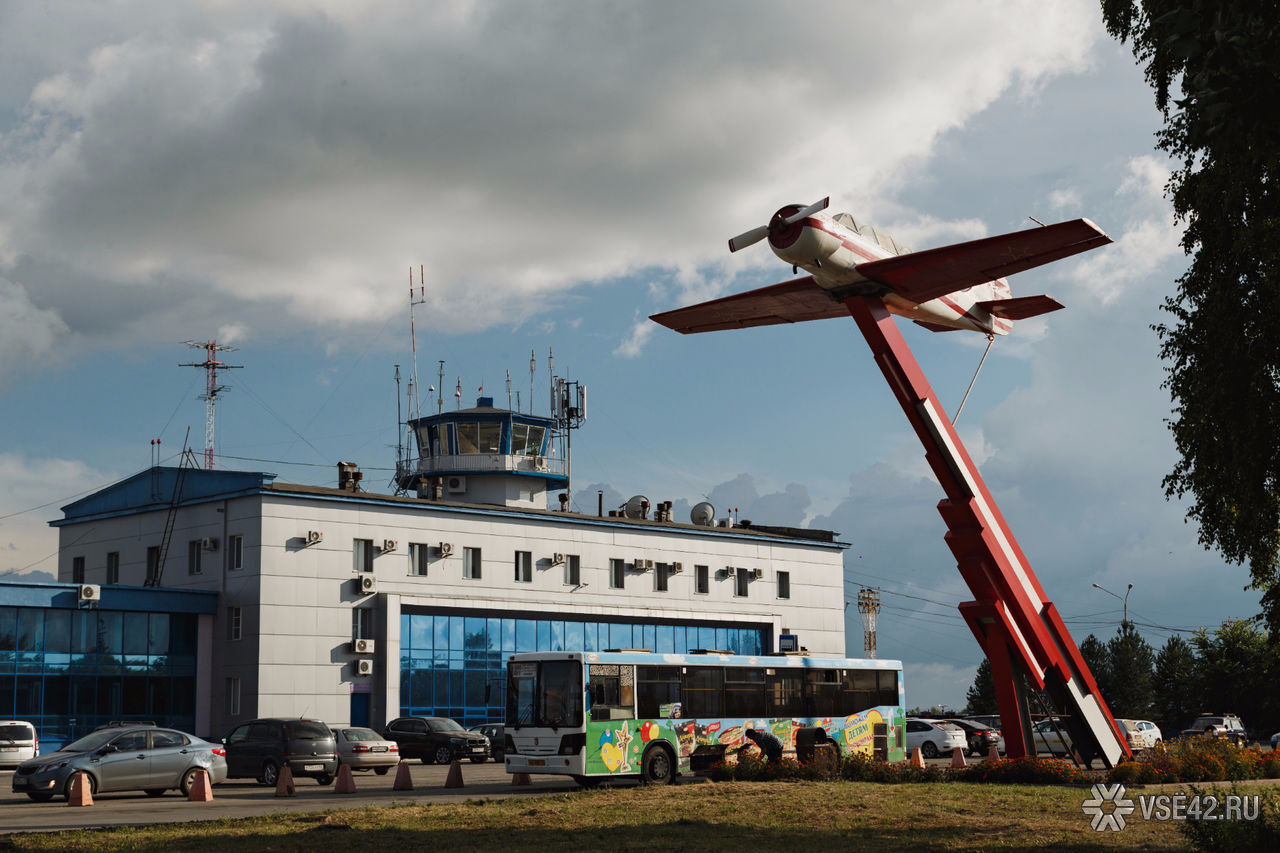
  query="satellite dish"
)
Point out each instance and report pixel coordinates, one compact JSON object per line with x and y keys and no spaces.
{"x":703,"y":514}
{"x":635,"y":506}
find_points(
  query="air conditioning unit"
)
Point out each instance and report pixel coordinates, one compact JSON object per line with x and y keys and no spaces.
{"x":445,"y":549}
{"x":677,"y":568}
{"x":364,"y":667}
{"x":368,"y":583}
{"x":388,"y":545}
{"x":756,"y":574}
{"x":726,"y":572}
{"x":209,"y":544}
{"x":362,"y":647}
{"x":644,"y":565}
{"x":455,"y":485}
{"x":90,"y":592}
{"x":557,"y":559}
{"x":314,"y":537}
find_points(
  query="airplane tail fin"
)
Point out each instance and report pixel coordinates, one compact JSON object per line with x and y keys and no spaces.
{"x":1022,"y":307}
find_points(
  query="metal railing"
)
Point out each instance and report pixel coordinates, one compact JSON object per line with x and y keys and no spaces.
{"x":482,"y":462}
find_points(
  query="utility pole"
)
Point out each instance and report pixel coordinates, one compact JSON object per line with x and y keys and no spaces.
{"x":869,"y":610}
{"x":211,"y":366}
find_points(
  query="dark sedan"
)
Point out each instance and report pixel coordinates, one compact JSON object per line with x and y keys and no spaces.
{"x":436,"y":740}
{"x":980,"y":737}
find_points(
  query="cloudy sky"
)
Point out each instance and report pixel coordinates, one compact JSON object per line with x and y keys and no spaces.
{"x":267,"y":173}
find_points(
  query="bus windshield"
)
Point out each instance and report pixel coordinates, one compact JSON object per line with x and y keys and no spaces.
{"x":544,"y":693}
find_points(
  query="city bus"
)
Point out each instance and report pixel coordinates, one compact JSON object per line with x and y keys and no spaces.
{"x":629,"y":713}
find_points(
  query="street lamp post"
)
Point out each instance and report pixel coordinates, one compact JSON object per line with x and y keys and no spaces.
{"x":1124,"y":600}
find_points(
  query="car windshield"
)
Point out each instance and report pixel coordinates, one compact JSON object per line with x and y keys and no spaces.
{"x":16,"y":733}
{"x":357,"y":735}
{"x":948,"y":727}
{"x":442,"y":724}
{"x":306,"y":730}
{"x":90,"y":742}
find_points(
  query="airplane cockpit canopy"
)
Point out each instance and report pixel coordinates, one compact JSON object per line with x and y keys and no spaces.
{"x":884,"y":240}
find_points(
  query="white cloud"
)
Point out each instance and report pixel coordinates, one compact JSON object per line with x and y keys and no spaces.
{"x":1065,"y":199}
{"x":26,"y":484}
{"x":634,"y":343}
{"x":27,"y":333}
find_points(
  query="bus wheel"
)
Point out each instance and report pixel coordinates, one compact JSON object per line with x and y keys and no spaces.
{"x":657,"y":767}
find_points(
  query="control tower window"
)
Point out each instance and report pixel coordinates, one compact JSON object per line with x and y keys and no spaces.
{"x":526,"y":440}
{"x":490,"y":438}
{"x":467,"y":438}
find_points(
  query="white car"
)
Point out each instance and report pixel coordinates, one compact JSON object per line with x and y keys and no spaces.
{"x":18,"y":742}
{"x":1051,"y":736}
{"x":1142,"y":734}
{"x":1275,"y":741}
{"x":934,"y":737}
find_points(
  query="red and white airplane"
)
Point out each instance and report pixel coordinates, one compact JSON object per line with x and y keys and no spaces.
{"x":960,"y":286}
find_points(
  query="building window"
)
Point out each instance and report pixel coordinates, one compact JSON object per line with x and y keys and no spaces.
{"x":471,"y":563}
{"x":740,"y":583}
{"x":233,"y":623}
{"x":113,"y":567}
{"x":362,"y":623}
{"x":617,"y":574}
{"x":362,"y":555}
{"x":524,"y":566}
{"x":573,"y":569}
{"x":701,"y":580}
{"x":784,"y":584}
{"x":661,"y":574}
{"x":235,"y":553}
{"x":77,"y":569}
{"x":193,"y":557}
{"x":418,"y":554}
{"x":233,"y":696}
{"x":153,"y":563}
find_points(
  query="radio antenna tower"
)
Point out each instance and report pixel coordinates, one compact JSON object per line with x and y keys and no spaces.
{"x":869,"y":610}
{"x":212,"y":389}
{"x":420,"y":299}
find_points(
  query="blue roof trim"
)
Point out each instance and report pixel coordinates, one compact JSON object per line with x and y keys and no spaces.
{"x":65,"y":596}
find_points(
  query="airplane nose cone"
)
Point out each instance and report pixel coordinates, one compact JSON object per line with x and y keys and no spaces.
{"x":782,"y":235}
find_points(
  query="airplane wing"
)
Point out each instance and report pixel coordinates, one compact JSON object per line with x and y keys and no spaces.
{"x":921,"y":276}
{"x":789,"y":302}
{"x":1022,"y":307}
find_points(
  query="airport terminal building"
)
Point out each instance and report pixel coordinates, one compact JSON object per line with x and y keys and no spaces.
{"x":348,"y":606}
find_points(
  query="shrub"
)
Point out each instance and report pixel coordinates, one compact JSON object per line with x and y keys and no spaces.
{"x":1030,"y":770}
{"x":1229,"y":836}
{"x":1197,"y":760}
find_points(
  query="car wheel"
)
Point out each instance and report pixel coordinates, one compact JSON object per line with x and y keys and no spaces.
{"x":443,"y":755}
{"x":381,"y":771}
{"x":189,"y":781}
{"x":324,"y":779}
{"x":93,"y":785}
{"x":480,"y":759}
{"x":270,"y":774}
{"x":656,"y":767}
{"x":40,"y":796}
{"x":929,"y":749}
{"x":159,"y":792}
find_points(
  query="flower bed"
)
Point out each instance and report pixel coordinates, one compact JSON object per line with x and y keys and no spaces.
{"x":1197,"y":760}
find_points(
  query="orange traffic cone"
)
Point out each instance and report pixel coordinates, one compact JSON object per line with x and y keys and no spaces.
{"x":81,"y":793}
{"x":993,"y":754}
{"x":200,"y":791}
{"x":957,"y":758}
{"x":521,"y":779}
{"x":284,"y":784}
{"x":454,"y":779}
{"x":404,"y":782}
{"x":346,"y":782}
{"x":917,"y":760}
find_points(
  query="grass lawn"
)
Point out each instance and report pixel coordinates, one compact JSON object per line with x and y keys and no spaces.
{"x":795,"y":817}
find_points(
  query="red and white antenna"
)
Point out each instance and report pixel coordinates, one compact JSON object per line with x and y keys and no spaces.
{"x":212,"y":389}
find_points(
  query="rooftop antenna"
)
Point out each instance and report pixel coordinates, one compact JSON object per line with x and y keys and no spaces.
{"x":568,"y":411}
{"x":400,"y":455}
{"x":551,"y":377}
{"x":533,"y":365}
{"x":457,"y":393}
{"x":508,"y":389}
{"x":211,"y":367}
{"x":439,"y":389}
{"x":420,"y":299}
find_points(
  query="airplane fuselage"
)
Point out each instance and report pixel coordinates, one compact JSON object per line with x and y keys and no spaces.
{"x":830,"y":251}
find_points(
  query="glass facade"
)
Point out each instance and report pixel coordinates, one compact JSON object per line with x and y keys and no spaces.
{"x":453,"y":663}
{"x":70,"y":671}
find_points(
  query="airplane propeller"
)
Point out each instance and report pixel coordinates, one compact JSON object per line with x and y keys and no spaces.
{"x":755,"y":235}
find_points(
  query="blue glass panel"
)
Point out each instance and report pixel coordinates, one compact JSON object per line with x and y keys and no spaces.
{"x":619,"y":636}
{"x":420,"y":689}
{"x":526,"y":635}
{"x":441,"y":632}
{"x":440,"y":679}
{"x":421,"y":629}
{"x":508,"y":635}
{"x":665,"y":640}
{"x":544,"y":635}
{"x":475,"y":628}
{"x":650,"y":638}
{"x":493,"y":635}
{"x":406,"y":631}
{"x":475,"y":683}
{"x":456,"y":626}
{"x":706,"y":638}
{"x":57,"y":632}
{"x":8,"y":632}
{"x":678,"y":644}
{"x":573,"y":638}
{"x":589,"y":631}
{"x":557,"y":636}
{"x":722,"y":639}
{"x":30,"y":629}
{"x":457,"y":691}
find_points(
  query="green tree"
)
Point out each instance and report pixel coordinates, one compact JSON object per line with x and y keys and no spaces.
{"x":981,"y":698}
{"x":1221,"y":353}
{"x":1176,"y":689}
{"x":1095,"y":657}
{"x":1130,"y":663}
{"x":1237,"y":671}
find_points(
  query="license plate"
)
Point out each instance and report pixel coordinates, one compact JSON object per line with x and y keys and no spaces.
{"x":477,"y":749}
{"x":378,"y":749}
{"x":20,"y":781}
{"x":310,"y":767}
{"x":537,"y":762}
{"x":8,"y":749}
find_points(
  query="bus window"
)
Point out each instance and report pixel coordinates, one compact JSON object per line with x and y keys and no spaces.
{"x":888,"y":688}
{"x":785,"y":690}
{"x":858,"y":690}
{"x":743,"y":692}
{"x":612,"y":689}
{"x":702,"y":691}
{"x":822,"y":689}
{"x":656,"y":686}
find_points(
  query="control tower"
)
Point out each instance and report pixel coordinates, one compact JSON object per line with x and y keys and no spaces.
{"x":484,"y":455}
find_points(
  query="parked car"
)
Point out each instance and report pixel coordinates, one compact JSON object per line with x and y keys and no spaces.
{"x":1222,"y":725}
{"x":980,"y":737}
{"x":436,"y":740}
{"x":1275,"y":741}
{"x":123,"y":759}
{"x":1142,"y":734}
{"x":364,"y":749}
{"x":934,"y":737}
{"x":18,"y":742}
{"x":259,"y":748}
{"x":497,"y":735}
{"x":1050,"y":735}
{"x":991,"y":721}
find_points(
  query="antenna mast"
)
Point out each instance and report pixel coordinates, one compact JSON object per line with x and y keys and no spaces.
{"x":440,"y":389}
{"x":568,"y":410}
{"x":420,"y":299}
{"x":869,"y":610}
{"x":212,"y":389}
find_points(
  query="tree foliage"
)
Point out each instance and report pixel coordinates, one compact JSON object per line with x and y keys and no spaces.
{"x":1130,"y":663}
{"x":1176,"y":690}
{"x":1094,"y":653}
{"x":981,"y":698}
{"x":1213,"y":65}
{"x":1238,"y":671}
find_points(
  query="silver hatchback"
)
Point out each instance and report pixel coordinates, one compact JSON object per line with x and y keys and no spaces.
{"x":130,"y":758}
{"x":364,"y":749}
